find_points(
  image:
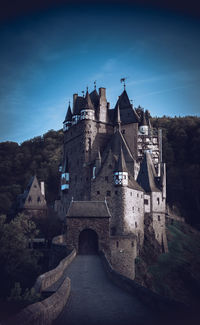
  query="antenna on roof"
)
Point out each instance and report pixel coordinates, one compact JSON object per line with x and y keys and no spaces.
{"x":95,"y":84}
{"x":83,"y":92}
{"x":123,"y":80}
{"x":87,"y":88}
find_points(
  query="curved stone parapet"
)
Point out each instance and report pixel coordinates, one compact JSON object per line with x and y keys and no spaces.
{"x":43,"y":312}
{"x":44,"y":281}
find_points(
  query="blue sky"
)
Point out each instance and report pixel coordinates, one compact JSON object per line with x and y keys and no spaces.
{"x":47,"y":56}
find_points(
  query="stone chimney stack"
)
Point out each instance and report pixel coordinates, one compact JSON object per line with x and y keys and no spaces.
{"x":42,"y":188}
{"x":103,"y":105}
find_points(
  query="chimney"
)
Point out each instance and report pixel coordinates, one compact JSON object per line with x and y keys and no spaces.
{"x":102,"y":92}
{"x":42,"y":188}
{"x":74,"y":100}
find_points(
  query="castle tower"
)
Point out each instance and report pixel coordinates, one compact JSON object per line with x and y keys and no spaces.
{"x":68,"y":119}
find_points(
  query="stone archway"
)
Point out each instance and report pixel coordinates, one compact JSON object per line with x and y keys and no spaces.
{"x":88,"y":242}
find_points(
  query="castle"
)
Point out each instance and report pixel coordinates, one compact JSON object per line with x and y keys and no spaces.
{"x":112,"y":178}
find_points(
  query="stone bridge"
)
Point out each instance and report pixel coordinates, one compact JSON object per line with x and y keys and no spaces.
{"x":95,"y":300}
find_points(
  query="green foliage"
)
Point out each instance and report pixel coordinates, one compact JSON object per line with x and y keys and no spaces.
{"x":16,"y":260}
{"x":41,"y":156}
{"x":181,"y":152}
{"x":29,"y":296}
{"x":176,"y":274}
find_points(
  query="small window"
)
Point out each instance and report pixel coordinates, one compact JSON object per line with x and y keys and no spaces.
{"x":29,"y":199}
{"x":158,"y":200}
{"x":106,"y":178}
{"x":132,"y":208}
{"x":138,"y":209}
{"x":110,"y":166}
{"x":146,"y":201}
{"x":124,"y":176}
{"x":132,"y":244}
{"x":136,"y":224}
{"x":38,"y":199}
{"x":158,"y":218}
{"x":137,"y":195}
{"x":98,"y":192}
{"x":108,"y":193}
{"x":117,"y":244}
{"x":116,"y":192}
{"x":131,"y":193}
{"x":35,"y":186}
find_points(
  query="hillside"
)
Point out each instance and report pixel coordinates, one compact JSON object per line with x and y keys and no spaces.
{"x":175,"y":274}
{"x":42,"y":156}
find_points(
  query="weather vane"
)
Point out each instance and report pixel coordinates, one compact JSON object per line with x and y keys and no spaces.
{"x":83,"y":92}
{"x":123,"y":80}
{"x":95,"y":84}
{"x":69,"y":103}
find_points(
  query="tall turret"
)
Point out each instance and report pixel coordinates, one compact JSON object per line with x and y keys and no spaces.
{"x":68,"y":119}
{"x":88,"y":112}
{"x":121,"y":172}
{"x":144,"y":128}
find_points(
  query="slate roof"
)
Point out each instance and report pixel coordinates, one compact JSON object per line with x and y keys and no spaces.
{"x":94,"y":96}
{"x":88,"y":102}
{"x":68,"y":116}
{"x":120,"y":165}
{"x":143,"y":119}
{"x":146,"y":176}
{"x":127,"y":113}
{"x":79,"y":105}
{"x":88,"y":209}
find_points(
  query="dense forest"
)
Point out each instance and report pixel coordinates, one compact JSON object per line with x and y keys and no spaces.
{"x":42,"y":156}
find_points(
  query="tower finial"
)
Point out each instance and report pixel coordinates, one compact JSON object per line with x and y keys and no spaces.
{"x":83,"y":92}
{"x":123,"y":80}
{"x":95,"y":84}
{"x":69,"y":102}
{"x":87,"y":88}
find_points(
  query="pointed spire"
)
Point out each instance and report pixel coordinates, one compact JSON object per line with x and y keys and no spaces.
{"x":121,"y":164}
{"x":88,"y":102}
{"x":68,"y":116}
{"x":143,"y":119}
{"x":146,"y":176}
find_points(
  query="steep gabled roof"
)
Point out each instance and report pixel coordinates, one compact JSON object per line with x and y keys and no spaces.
{"x":88,"y":209}
{"x":146,"y":176}
{"x":117,"y":142}
{"x":29,"y":198}
{"x":123,"y":101}
{"x":78,"y":105}
{"x":127,"y":113}
{"x":68,"y":116}
{"x":94,"y":96}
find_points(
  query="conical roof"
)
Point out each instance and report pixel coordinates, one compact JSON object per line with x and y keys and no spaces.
{"x":94,"y":96}
{"x":143,"y":119}
{"x":68,"y":116}
{"x":88,"y":102}
{"x":146,"y":176}
{"x":120,"y":165}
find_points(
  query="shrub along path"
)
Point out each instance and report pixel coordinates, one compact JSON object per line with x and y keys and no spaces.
{"x":95,"y":300}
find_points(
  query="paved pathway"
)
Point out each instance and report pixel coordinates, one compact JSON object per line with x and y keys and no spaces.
{"x":95,"y":300}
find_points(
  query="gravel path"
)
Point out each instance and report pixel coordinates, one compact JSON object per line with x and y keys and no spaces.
{"x":95,"y":300}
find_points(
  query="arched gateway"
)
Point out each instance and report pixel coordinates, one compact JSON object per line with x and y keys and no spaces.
{"x":88,"y":227}
{"x":88,"y":242}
